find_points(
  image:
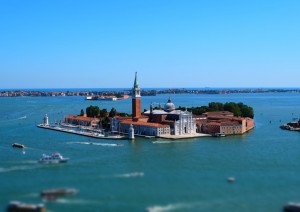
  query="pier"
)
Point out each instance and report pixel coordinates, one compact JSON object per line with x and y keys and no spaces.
{"x":82,"y":133}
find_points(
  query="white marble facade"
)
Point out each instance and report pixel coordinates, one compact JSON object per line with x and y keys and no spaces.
{"x":186,"y":124}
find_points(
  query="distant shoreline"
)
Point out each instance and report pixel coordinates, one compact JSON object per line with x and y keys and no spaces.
{"x":145,"y":92}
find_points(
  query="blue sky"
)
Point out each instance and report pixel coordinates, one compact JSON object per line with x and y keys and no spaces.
{"x":101,"y":44}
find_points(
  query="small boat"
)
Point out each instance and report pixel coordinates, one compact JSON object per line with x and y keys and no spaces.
{"x":219,"y":135}
{"x":19,"y":206}
{"x":230,"y":179}
{"x":54,"y":158}
{"x":291,"y":207}
{"x":53,"y":194}
{"x":16,"y":145}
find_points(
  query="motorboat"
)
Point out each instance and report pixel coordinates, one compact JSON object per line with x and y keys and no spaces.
{"x":16,"y":145}
{"x":54,"y":158}
{"x":14,"y":206}
{"x":53,"y":194}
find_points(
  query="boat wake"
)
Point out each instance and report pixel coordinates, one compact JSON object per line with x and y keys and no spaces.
{"x":162,"y":142}
{"x":23,"y":162}
{"x":74,"y":201}
{"x":17,"y":168}
{"x":96,"y":144}
{"x":130,"y":175}
{"x":14,"y":119}
{"x":170,"y":141}
{"x":170,"y":207}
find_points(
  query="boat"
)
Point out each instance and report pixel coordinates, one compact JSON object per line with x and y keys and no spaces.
{"x":219,"y":135}
{"x":291,"y":207}
{"x":16,"y":145}
{"x":54,"y":158}
{"x":16,"y":206}
{"x":53,"y":194}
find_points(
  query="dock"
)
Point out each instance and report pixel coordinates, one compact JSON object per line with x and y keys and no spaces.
{"x":185,"y":136}
{"x":82,"y":133}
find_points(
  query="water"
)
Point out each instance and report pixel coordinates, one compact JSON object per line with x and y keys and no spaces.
{"x":152,"y":174}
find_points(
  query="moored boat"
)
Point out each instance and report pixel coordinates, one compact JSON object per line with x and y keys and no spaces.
{"x":54,"y":158}
{"x":219,"y":135}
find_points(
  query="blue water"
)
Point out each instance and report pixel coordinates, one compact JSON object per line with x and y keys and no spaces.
{"x":152,"y":174}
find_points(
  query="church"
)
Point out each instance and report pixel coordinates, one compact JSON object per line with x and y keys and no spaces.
{"x":159,"y":122}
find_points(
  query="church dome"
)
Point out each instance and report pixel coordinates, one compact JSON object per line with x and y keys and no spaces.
{"x":169,"y":106}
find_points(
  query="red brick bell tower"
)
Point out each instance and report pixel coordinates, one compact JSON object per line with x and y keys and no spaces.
{"x":136,"y":100}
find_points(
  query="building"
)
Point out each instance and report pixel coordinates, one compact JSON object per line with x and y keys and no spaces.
{"x":136,"y":100}
{"x":168,"y":121}
{"x":180,"y":122}
{"x":223,"y":122}
{"x":82,"y":121}
{"x":160,"y":122}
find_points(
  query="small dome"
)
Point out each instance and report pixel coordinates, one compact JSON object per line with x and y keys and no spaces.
{"x":169,"y":106}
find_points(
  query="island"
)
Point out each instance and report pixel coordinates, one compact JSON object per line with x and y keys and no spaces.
{"x":167,"y":121}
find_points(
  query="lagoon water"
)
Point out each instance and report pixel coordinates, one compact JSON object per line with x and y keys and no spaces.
{"x":152,"y":174}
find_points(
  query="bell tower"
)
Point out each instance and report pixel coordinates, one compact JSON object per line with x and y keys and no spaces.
{"x":136,"y":100}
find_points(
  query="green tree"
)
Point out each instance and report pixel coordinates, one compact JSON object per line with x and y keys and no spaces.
{"x":92,"y":111}
{"x":247,"y":111}
{"x":113,"y":112}
{"x":233,"y":107}
{"x":82,"y":112}
{"x":216,"y":106}
{"x":103,"y":113}
{"x":105,"y":123}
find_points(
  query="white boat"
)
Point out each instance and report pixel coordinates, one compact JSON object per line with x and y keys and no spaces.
{"x":54,"y":158}
{"x":219,"y":135}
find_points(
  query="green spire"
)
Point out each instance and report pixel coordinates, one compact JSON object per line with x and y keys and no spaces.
{"x":135,"y":81}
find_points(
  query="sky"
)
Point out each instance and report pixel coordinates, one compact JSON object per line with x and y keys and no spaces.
{"x":170,"y":43}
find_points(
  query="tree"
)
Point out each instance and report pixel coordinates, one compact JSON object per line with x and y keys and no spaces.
{"x":246,"y":110}
{"x":216,"y":106}
{"x":82,"y":112}
{"x":113,"y":112}
{"x":238,"y":109}
{"x":103,"y":113}
{"x":233,"y":107}
{"x":105,"y":123}
{"x":92,"y":111}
